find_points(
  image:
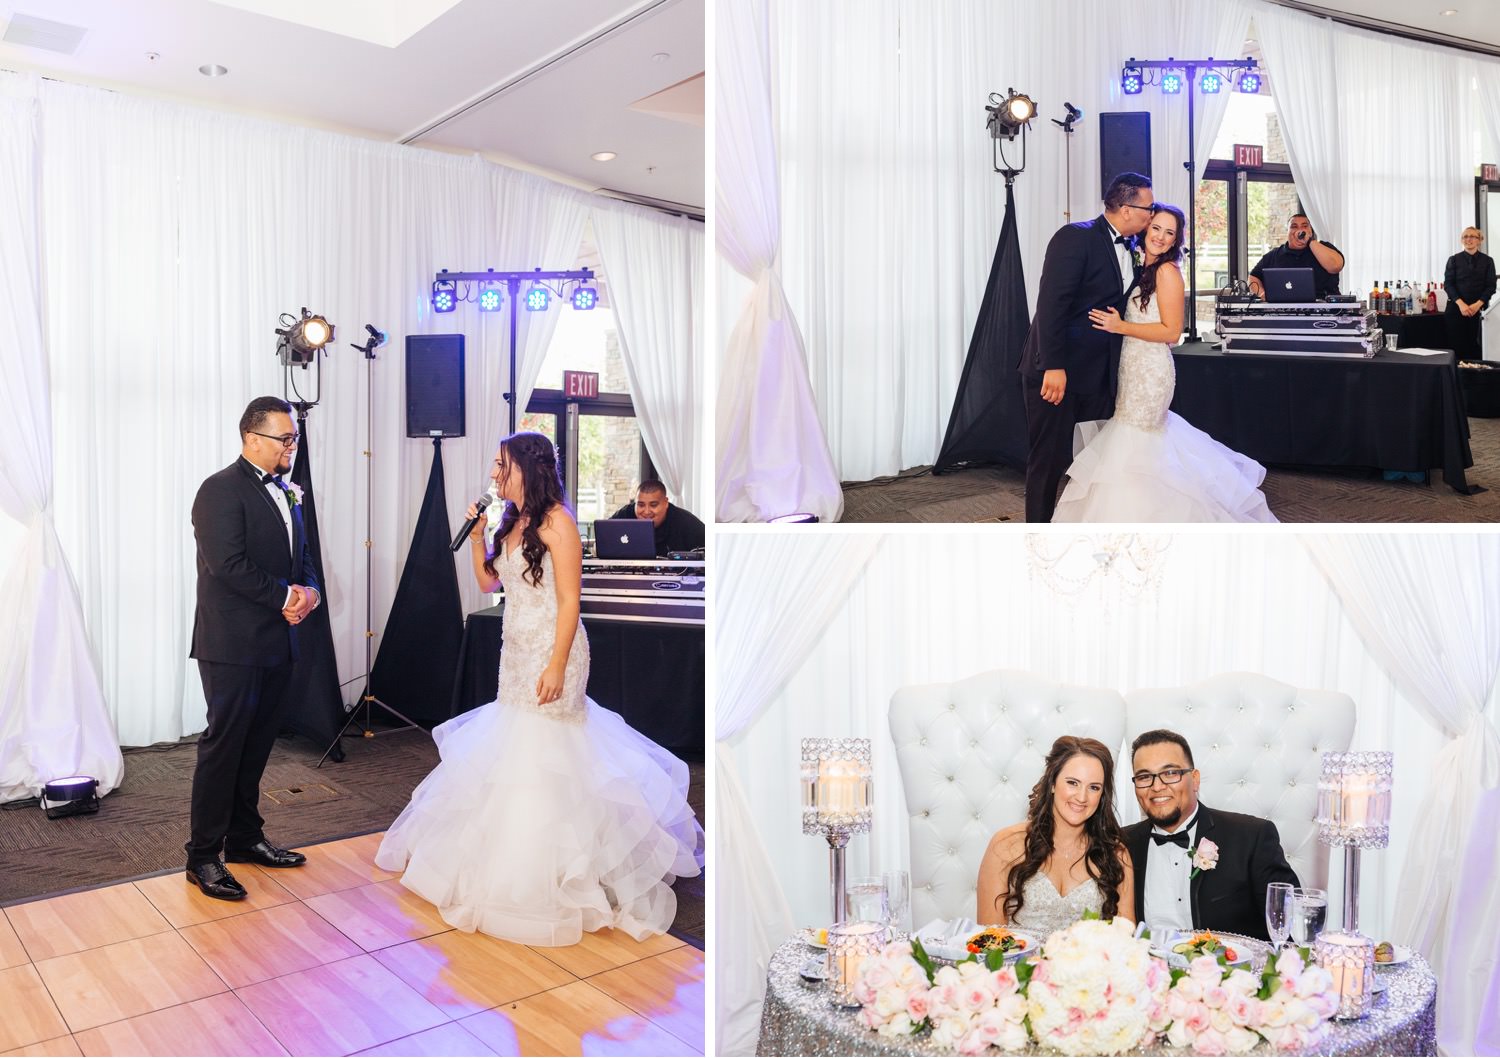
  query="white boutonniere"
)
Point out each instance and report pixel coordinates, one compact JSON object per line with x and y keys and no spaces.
{"x":1136,"y":256}
{"x":294,"y":493}
{"x":1205,"y":857}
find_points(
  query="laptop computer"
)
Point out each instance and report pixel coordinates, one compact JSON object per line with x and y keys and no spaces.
{"x":1289,"y":284}
{"x":624,"y":538}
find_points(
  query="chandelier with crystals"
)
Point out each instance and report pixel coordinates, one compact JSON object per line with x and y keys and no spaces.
{"x":1070,"y":563}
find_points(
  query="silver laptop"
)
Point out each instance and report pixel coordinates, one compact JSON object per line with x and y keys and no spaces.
{"x":624,"y":538}
{"x":1289,"y":284}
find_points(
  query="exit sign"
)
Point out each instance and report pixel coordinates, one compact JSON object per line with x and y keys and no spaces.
{"x":1489,"y":172}
{"x":580,"y":384}
{"x":1249,"y":155}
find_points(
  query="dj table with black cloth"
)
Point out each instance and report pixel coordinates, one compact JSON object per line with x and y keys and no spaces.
{"x":651,"y":674}
{"x":1397,"y":411}
{"x":1427,"y":331}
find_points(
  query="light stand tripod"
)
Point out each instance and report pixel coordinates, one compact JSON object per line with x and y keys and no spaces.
{"x":367,"y":699}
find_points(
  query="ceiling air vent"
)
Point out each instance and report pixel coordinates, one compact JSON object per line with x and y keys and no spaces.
{"x":31,"y":32}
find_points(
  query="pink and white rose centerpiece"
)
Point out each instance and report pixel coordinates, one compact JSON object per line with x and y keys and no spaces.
{"x":1097,"y":989}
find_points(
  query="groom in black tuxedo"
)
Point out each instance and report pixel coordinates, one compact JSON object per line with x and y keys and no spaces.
{"x":1229,"y":896}
{"x":255,"y":585}
{"x":1069,"y":367}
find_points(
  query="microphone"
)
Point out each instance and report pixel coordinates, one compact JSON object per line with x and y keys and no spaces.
{"x":479,"y":506}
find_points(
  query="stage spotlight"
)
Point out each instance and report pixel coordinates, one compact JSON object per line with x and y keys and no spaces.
{"x":1250,"y":82}
{"x":1131,"y":80}
{"x":489,"y":297}
{"x":1009,"y":116}
{"x":1171,"y":83}
{"x":1210,"y":83}
{"x":444,"y":295}
{"x":300,"y":341}
{"x":585,"y":298}
{"x":77,"y":795}
{"x":537,"y":298}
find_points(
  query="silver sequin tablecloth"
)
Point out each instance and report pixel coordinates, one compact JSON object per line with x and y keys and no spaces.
{"x":799,"y":1019}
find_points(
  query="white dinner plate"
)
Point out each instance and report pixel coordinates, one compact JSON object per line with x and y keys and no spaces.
{"x":809,"y":936}
{"x":1400,"y":955}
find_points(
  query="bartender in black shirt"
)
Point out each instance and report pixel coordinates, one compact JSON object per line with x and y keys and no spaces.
{"x":1470,"y":282}
{"x":1302,"y":249}
{"x":676,"y":528}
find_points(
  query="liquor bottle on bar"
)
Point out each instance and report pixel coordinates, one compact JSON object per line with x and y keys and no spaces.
{"x":1410,"y":290}
{"x":1375,"y":296}
{"x":1442,"y":298}
{"x":1385,"y":297}
{"x":1431,"y":305}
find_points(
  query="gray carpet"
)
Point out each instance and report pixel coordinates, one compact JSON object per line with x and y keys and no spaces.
{"x":141,"y":827}
{"x":998,"y":495}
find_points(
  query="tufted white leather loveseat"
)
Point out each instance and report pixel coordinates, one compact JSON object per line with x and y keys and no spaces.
{"x":969,"y":753}
{"x":1258,"y":744}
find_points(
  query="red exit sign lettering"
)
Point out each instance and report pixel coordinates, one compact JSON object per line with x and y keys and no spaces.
{"x":1249,"y":155}
{"x":577,"y":384}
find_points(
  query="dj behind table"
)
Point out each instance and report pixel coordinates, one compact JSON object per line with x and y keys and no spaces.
{"x":644,"y":619}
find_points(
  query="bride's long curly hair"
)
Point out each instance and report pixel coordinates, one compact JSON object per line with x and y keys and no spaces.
{"x":1172,"y":256}
{"x":1102,"y":829}
{"x":542,"y":489}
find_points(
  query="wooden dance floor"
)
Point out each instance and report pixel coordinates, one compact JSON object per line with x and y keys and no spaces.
{"x":333,"y":958}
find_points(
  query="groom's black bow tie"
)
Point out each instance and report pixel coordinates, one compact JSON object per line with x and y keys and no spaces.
{"x":266,"y":479}
{"x":1123,"y":240}
{"x":1180,"y":838}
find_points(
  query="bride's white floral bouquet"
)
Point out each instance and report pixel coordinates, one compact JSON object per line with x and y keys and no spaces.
{"x":1095,"y":988}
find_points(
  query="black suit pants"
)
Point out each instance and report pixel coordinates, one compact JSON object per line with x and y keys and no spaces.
{"x":1050,"y":428}
{"x":246,"y":705}
{"x":1463,"y":333}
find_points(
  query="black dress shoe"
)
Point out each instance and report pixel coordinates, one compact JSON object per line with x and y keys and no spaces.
{"x":265,"y":854}
{"x":215,"y":880}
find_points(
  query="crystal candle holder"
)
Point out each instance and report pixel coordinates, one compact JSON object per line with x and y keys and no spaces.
{"x":849,"y":945}
{"x":1349,"y":959}
{"x":1354,"y":800}
{"x":836,"y":801}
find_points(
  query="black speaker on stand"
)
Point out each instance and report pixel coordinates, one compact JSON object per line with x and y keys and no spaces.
{"x":1124,"y":146}
{"x":434,"y":385}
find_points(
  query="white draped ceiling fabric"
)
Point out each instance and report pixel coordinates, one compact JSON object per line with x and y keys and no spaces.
{"x":53,"y":718}
{"x":771,"y":453}
{"x":174,"y":238}
{"x":1428,"y":609}
{"x":950,"y":603}
{"x":775,"y":593}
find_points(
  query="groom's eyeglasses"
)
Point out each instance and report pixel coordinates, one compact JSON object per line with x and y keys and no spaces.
{"x":286,"y":440}
{"x":1132,"y":205}
{"x":1168,"y":776}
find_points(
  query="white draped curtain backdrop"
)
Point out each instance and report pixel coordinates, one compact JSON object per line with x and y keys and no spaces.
{"x":948,"y":604}
{"x":174,"y":237}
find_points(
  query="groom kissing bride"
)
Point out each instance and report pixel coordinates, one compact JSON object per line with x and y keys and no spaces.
{"x":1185,"y":866}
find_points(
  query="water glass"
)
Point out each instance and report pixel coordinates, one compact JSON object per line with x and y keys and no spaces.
{"x":898,"y":901}
{"x":866,"y":900}
{"x":1309,"y":915}
{"x":1278,"y":912}
{"x":1393,"y":342}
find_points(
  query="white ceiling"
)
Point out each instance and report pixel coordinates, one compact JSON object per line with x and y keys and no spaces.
{"x":1476,"y":20}
{"x":543,"y":86}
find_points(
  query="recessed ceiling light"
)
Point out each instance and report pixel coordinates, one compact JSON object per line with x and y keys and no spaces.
{"x":661,"y":56}
{"x":604,"y":156}
{"x":1451,"y":11}
{"x":213,"y":69}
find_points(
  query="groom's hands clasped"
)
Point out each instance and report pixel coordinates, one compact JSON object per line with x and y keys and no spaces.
{"x":304,"y":601}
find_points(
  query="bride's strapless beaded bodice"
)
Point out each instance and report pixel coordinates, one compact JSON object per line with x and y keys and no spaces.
{"x":1044,"y":910}
{"x":1147,"y":374}
{"x":529,"y":630}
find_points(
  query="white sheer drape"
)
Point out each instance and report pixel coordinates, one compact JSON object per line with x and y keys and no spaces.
{"x":654,"y":267}
{"x":175,"y":237}
{"x":948,"y":604}
{"x":891,"y":207}
{"x":774,"y":594}
{"x":1394,"y":210}
{"x":53,"y":720}
{"x":772,"y":456}
{"x":1428,"y":608}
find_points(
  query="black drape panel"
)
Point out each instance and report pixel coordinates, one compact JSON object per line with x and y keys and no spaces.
{"x":413,"y":672}
{"x":988,"y":421}
{"x":316,"y":709}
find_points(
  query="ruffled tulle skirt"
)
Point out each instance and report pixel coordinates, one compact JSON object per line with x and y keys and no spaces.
{"x":538,"y":830}
{"x":1122,"y":473}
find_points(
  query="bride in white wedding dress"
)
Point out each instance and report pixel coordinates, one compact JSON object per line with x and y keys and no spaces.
{"x":548,"y":816}
{"x":1148,"y":464}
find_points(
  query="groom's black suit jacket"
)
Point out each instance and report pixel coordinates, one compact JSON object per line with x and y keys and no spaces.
{"x":1232,"y":896}
{"x":1080,"y":272}
{"x":244,"y":568}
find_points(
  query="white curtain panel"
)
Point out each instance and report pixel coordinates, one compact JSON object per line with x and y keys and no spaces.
{"x":890,"y":205}
{"x":1393,"y":213}
{"x":772,"y":456}
{"x":174,"y":239}
{"x":654,"y":267}
{"x":53,"y":719}
{"x":951,"y":603}
{"x":1428,"y":608}
{"x":774,"y":593}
